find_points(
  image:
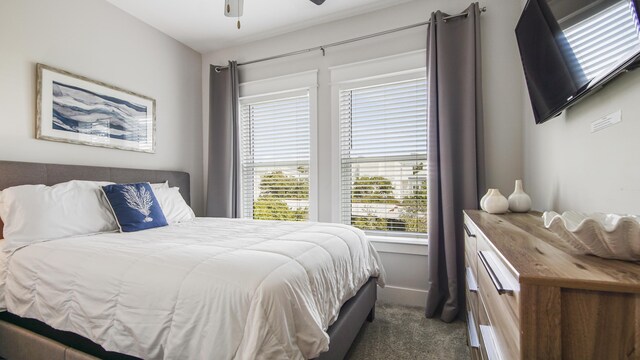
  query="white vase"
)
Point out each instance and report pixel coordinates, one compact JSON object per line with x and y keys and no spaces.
{"x":484,"y":198}
{"x":519,"y":201}
{"x":496,"y":203}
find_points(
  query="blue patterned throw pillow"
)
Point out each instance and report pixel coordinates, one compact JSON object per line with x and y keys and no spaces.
{"x":135,"y":206}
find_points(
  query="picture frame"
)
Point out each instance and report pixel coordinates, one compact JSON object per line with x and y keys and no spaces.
{"x":75,"y":109}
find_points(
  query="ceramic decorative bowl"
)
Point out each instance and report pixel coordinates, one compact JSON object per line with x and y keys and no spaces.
{"x":608,"y":236}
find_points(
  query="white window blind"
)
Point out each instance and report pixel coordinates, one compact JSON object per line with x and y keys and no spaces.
{"x":383,"y":153}
{"x":601,"y":41}
{"x":275,"y":138}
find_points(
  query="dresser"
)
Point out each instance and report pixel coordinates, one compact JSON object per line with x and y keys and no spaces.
{"x":530,"y":296}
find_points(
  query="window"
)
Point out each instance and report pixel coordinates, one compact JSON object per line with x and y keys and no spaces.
{"x":383,"y":154}
{"x":275,"y":141}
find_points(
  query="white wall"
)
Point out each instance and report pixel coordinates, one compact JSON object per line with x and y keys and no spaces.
{"x":569,"y":168}
{"x":502,"y":94}
{"x":97,"y":40}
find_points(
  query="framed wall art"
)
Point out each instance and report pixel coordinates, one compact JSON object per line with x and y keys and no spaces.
{"x":75,"y":109}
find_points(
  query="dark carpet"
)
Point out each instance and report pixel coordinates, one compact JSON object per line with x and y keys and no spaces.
{"x":400,"y":332}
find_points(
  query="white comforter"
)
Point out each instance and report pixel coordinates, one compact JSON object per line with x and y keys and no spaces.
{"x":208,"y":289}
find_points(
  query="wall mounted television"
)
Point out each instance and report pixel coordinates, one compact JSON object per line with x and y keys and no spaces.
{"x":571,"y":48}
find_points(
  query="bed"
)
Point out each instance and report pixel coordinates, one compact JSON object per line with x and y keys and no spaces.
{"x":272,"y":289}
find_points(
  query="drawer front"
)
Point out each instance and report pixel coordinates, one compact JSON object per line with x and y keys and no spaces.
{"x":471,"y":292}
{"x":476,"y":354}
{"x":472,"y":311}
{"x":482,"y":244}
{"x":500,"y":297}
{"x":473,"y":326}
{"x":470,"y":244}
{"x":472,"y":296}
{"x":472,"y":332}
{"x":487,"y":343}
{"x":472,"y":301}
{"x":498,"y":276}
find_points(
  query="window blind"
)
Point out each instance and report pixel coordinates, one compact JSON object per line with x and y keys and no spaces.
{"x":600,"y":41}
{"x":383,"y":153}
{"x":275,"y":137}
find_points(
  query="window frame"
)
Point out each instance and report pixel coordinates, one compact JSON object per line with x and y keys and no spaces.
{"x":283,"y":87}
{"x":396,"y":68}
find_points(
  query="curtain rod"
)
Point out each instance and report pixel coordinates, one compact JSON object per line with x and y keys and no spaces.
{"x":324,"y":47}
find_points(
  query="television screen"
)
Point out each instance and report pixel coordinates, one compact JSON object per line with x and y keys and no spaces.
{"x":571,"y":47}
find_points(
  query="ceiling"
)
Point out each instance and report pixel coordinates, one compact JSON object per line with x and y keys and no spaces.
{"x":201,"y":24}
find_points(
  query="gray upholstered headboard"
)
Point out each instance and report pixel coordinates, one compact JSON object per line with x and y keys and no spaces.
{"x":14,"y":173}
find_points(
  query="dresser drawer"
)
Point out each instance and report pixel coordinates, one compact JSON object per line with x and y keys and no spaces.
{"x":502,"y":279}
{"x":475,"y":354}
{"x":472,"y":331}
{"x":499,"y":294}
{"x":470,"y":246}
{"x":472,"y":320}
{"x":485,"y":334}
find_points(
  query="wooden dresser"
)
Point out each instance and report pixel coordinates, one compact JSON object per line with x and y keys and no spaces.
{"x":529,"y":296}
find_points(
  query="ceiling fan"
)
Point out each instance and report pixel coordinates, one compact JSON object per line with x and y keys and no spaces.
{"x":233,"y":8}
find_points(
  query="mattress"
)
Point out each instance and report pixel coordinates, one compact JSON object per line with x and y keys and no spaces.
{"x":211,"y":288}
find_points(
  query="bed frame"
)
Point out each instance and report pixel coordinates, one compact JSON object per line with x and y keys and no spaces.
{"x":22,"y":338}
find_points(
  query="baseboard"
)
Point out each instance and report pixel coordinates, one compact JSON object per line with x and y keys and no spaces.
{"x":402,"y":296}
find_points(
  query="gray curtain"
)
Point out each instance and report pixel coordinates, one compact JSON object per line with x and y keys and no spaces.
{"x":223,"y":184}
{"x":455,"y":152}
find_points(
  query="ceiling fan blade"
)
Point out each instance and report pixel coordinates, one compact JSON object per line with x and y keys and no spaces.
{"x":317,"y":2}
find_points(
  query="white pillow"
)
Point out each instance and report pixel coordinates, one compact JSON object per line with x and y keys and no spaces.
{"x":173,"y":206}
{"x":163,"y":185}
{"x":3,"y":274}
{"x":33,"y":213}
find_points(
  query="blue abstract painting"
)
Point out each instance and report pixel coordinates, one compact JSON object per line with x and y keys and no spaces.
{"x":75,"y":109}
{"x":82,"y":111}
